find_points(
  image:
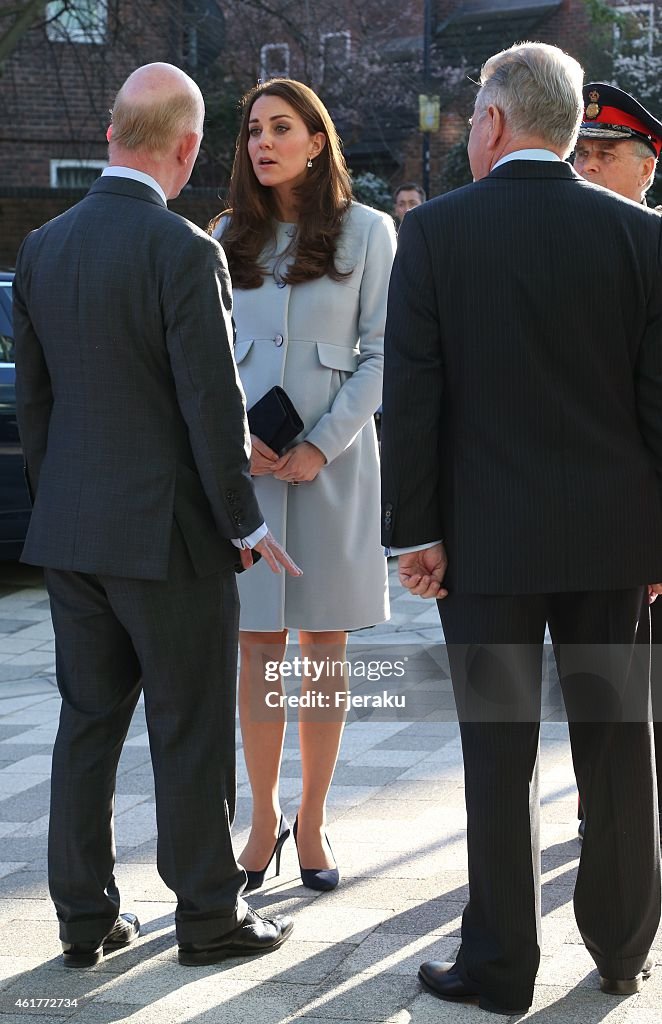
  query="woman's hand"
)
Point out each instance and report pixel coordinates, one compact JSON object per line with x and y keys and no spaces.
{"x":300,"y":464}
{"x":263,"y":458}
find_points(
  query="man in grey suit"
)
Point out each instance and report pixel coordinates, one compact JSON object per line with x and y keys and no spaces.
{"x":136,"y":445}
{"x":524,"y":345}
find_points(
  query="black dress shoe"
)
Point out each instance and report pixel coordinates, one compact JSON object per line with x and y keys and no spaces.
{"x":87,"y":954}
{"x":627,"y":986}
{"x":442,"y":980}
{"x":254,"y":935}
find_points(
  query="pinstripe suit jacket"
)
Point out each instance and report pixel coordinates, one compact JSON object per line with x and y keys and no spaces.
{"x":523,"y":384}
{"x":130,"y":410}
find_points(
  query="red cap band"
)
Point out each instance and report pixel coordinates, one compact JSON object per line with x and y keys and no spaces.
{"x":618,"y":118}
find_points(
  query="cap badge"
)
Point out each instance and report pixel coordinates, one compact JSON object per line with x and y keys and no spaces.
{"x":593,"y":109}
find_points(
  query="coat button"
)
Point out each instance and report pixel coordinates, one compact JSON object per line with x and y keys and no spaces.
{"x":278,"y":340}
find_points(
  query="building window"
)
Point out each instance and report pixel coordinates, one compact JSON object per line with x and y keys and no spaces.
{"x":75,"y":173}
{"x":77,"y":21}
{"x":275,"y":61}
{"x":336,"y":50}
{"x":634,"y":32}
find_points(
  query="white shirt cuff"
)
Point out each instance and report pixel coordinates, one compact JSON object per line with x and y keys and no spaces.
{"x":253,"y":538}
{"x":414,"y":547}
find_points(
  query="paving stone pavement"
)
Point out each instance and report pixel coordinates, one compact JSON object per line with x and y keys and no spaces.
{"x":397,"y":824}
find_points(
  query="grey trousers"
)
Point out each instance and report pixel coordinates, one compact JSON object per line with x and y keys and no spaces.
{"x":177,"y":642}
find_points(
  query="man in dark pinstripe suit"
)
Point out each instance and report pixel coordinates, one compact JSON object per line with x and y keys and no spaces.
{"x":133,"y":425}
{"x":523,"y":425}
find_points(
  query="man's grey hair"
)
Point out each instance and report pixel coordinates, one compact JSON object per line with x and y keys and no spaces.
{"x":644,"y":152}
{"x":538,"y":89}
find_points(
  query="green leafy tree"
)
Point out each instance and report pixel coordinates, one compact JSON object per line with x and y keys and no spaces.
{"x":372,"y":190}
{"x":634,"y":55}
{"x":456,"y":170}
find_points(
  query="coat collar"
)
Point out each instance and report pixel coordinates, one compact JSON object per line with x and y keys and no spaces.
{"x":113,"y":185}
{"x":558,"y":170}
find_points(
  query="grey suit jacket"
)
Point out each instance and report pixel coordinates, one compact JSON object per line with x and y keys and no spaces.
{"x":129,"y":406}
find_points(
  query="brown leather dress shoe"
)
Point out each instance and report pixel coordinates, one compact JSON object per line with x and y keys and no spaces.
{"x":254,"y":935}
{"x":627,"y":986}
{"x":442,"y":980}
{"x":87,"y":954}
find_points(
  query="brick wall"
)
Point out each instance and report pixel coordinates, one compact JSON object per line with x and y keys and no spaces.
{"x":569,"y":27}
{"x":55,"y":96}
{"x":452,"y":129}
{"x":22,"y":210}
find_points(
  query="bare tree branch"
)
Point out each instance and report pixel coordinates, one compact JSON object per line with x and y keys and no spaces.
{"x":25,"y":15}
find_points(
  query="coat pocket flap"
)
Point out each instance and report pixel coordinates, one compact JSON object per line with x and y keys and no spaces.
{"x":337,"y":357}
{"x":241,"y":349}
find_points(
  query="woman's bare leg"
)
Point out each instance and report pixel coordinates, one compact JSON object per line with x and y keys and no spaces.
{"x":320,"y":733}
{"x":262,"y":730}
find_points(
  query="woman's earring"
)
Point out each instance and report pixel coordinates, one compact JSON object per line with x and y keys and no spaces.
{"x":310,"y":162}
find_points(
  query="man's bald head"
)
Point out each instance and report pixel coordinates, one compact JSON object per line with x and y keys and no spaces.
{"x":156,"y":106}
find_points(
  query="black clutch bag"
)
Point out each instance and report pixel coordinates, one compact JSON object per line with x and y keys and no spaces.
{"x":274,"y":419}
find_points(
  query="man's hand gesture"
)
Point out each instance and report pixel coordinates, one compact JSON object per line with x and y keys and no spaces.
{"x":422,"y":572}
{"x":274,"y":555}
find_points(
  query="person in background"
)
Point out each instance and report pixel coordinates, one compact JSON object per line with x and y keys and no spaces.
{"x":618,"y":147}
{"x":619,"y":142}
{"x":310,"y":271}
{"x":406,"y":197}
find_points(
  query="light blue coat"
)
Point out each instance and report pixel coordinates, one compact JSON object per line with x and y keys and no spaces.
{"x":322,"y":341}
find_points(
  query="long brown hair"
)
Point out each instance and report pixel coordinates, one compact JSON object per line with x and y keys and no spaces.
{"x":324,"y":197}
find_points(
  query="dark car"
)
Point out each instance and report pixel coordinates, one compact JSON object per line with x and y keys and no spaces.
{"x":14,"y":499}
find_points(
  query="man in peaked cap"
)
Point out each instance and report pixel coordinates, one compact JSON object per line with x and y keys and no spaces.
{"x":619,"y":142}
{"x":618,"y":147}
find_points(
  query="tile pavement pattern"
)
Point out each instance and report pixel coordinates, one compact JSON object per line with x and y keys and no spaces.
{"x":397,"y":826}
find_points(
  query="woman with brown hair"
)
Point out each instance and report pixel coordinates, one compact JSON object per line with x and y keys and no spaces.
{"x":310,"y":271}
